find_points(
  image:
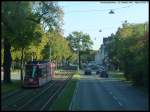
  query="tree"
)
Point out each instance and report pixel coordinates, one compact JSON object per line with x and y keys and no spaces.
{"x":88,"y":55}
{"x":19,"y":19}
{"x":13,"y":18}
{"x":60,"y":48}
{"x":129,"y":49}
{"x":79,"y":42}
{"x":49,"y":14}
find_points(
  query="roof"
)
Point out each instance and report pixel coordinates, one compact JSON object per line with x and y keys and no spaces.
{"x":108,"y":39}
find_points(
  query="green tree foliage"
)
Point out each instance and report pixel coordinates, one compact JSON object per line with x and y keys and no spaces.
{"x":13,"y":25}
{"x":79,"y":42}
{"x":60,"y":48}
{"x":49,"y":14}
{"x":23,"y":25}
{"x":88,"y":55}
{"x":129,"y":50}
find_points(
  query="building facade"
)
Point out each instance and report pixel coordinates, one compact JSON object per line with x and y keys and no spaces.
{"x":101,"y":57}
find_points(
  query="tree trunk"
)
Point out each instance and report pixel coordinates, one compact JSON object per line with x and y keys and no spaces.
{"x":56,"y":65}
{"x":22,"y":51}
{"x":7,"y":61}
{"x":126,"y":70}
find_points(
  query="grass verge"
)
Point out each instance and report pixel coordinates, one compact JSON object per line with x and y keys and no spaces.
{"x":117,"y":75}
{"x":120,"y":76}
{"x":64,"y":100}
{"x":5,"y":88}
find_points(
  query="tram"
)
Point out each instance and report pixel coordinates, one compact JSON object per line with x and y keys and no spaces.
{"x":38,"y":73}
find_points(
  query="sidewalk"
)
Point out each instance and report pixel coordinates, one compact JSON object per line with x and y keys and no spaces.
{"x":14,"y":75}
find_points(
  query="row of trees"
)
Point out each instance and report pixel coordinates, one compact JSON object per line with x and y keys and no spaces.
{"x":29,"y":30}
{"x":129,"y":51}
{"x":81,"y":44}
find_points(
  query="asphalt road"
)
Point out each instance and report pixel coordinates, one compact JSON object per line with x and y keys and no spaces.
{"x":94,"y":93}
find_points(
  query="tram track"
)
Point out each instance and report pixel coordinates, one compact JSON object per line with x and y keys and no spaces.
{"x":15,"y":100}
{"x":35,"y":99}
{"x":41,"y":101}
{"x":47,"y":103}
{"x":8,"y":95}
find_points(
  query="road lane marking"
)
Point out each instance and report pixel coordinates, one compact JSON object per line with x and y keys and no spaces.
{"x":115,"y":97}
{"x":120,"y":103}
{"x":110,"y":92}
{"x":117,"y":100}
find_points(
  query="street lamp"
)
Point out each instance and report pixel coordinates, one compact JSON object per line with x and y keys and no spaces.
{"x":78,"y":59}
{"x":100,"y":30}
{"x":111,"y":12}
{"x":100,"y":60}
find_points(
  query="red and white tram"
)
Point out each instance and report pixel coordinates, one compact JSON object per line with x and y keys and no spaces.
{"x":38,"y":73}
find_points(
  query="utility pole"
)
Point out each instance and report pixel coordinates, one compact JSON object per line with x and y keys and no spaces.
{"x":50,"y":53}
{"x":145,"y":28}
{"x":32,"y":57}
{"x":78,"y":54}
{"x":78,"y":59}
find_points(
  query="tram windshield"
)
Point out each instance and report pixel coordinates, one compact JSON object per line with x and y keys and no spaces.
{"x":33,"y":71}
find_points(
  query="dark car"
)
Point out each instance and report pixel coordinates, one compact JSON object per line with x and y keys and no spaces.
{"x":99,"y":70}
{"x":88,"y":71}
{"x":104,"y":74}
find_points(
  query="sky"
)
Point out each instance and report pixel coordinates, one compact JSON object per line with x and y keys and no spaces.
{"x":90,"y":17}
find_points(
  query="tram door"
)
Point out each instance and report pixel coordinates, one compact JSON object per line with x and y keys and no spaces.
{"x":42,"y":78}
{"x":48,"y":72}
{"x":52,"y":70}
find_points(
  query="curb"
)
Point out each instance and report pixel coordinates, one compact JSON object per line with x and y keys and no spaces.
{"x":60,"y":94}
{"x":73,"y":99}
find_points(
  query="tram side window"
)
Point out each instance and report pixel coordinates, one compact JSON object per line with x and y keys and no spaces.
{"x":44,"y":71}
{"x":48,"y":70}
{"x":28,"y":70}
{"x":39,"y":72}
{"x":34,"y":71}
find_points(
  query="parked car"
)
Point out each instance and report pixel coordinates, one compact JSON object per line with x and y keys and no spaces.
{"x":88,"y":71}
